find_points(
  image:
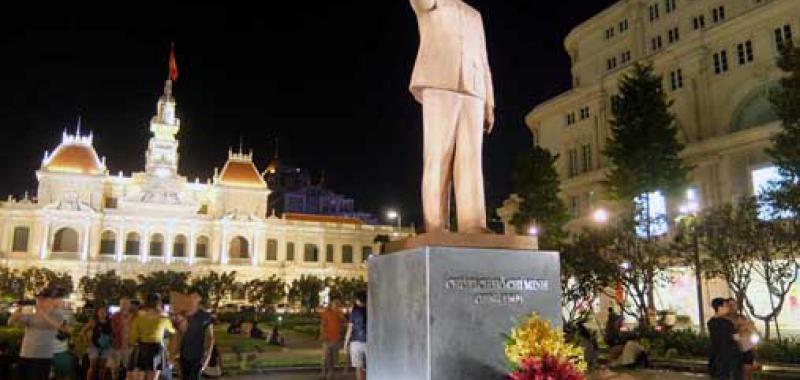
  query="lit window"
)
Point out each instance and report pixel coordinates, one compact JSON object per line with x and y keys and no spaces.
{"x":654,"y":205}
{"x":765,"y":180}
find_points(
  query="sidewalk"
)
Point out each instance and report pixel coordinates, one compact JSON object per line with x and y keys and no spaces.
{"x":700,"y":366}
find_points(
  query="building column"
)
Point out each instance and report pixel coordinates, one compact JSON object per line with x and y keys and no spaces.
{"x":120,"y":240}
{"x":5,"y":245}
{"x":44,"y":244}
{"x":144,"y":249}
{"x":192,"y":246}
{"x":223,"y":247}
{"x":85,"y":248}
{"x":168,"y":245}
{"x":255,"y":250}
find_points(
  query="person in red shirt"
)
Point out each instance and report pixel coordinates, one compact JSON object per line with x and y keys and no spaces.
{"x":120,"y":349}
{"x":330,"y":331}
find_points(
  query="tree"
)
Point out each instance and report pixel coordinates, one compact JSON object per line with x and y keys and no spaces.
{"x":266,"y":293}
{"x":639,"y":262}
{"x":163,"y":282}
{"x":643,"y":151}
{"x":643,"y":148}
{"x":107,"y":287}
{"x":216,"y":287}
{"x":536,"y":182}
{"x":784,"y":153}
{"x":12,"y":284}
{"x":305,"y":291}
{"x":346,"y":289}
{"x":584,"y":274}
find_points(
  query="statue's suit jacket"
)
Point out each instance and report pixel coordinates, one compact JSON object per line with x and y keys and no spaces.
{"x":452,"y":51}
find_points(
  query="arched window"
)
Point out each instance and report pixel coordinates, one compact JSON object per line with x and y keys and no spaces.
{"x":20,"y":243}
{"x":201,"y":247}
{"x":179,"y":246}
{"x":108,"y":243}
{"x":272,"y":250}
{"x":65,"y":240}
{"x":132,"y":244}
{"x":157,"y":245}
{"x":310,"y":253}
{"x":239,"y":248}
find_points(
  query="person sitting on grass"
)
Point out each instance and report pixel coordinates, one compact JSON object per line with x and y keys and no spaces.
{"x":275,"y":338}
{"x":235,"y":327}
{"x":256,"y":332}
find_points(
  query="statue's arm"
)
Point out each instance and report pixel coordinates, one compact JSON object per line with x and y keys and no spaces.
{"x":488,"y":74}
{"x":422,"y":6}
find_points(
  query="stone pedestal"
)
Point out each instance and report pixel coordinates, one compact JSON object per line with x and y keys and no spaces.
{"x":441,"y":313}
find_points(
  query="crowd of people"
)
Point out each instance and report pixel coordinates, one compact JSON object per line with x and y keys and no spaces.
{"x":138,"y":342}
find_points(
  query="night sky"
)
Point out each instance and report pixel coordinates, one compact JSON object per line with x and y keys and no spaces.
{"x":329,"y":79}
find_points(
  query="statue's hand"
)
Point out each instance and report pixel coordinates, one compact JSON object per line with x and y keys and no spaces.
{"x":488,"y":122}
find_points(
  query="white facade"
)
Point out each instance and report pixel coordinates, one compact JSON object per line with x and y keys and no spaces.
{"x":718,"y":59}
{"x":86,"y":220}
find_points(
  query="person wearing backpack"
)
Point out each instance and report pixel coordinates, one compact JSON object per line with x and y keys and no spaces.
{"x":98,"y":334}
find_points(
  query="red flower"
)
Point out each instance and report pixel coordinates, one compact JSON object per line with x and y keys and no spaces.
{"x":546,"y":368}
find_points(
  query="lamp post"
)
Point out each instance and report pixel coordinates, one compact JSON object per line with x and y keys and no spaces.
{"x":395,"y":215}
{"x":688,"y":213}
{"x":533,"y":230}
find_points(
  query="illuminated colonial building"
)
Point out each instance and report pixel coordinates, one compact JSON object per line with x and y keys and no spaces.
{"x":85,"y":219}
{"x":718,"y":61}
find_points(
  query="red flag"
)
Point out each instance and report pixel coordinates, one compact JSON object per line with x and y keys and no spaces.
{"x":173,"y":64}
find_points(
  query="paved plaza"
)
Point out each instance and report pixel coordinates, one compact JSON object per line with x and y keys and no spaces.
{"x":313,"y":375}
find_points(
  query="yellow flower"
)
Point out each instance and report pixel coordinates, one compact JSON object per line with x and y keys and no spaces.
{"x":534,"y":338}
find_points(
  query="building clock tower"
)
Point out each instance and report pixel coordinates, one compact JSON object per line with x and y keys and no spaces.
{"x":162,"y":151}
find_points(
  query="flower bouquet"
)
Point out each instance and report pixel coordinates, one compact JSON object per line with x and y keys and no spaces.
{"x":536,"y":351}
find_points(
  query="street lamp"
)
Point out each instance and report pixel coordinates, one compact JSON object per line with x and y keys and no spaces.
{"x":533,"y":230}
{"x":600,"y":216}
{"x":394,"y":215}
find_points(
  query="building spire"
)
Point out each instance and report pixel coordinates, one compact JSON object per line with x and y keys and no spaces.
{"x":78,"y":126}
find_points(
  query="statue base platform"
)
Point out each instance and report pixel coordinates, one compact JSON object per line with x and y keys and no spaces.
{"x":441,"y":313}
{"x":462,"y":240}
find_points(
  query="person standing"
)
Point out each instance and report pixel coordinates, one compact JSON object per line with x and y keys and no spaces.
{"x":330,"y":333}
{"x":41,"y":328}
{"x":147,"y":334}
{"x":64,"y":361}
{"x":356,"y":337}
{"x":98,"y":335}
{"x":197,"y":337}
{"x":724,"y":356}
{"x":120,"y":354}
{"x":748,"y":337}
